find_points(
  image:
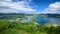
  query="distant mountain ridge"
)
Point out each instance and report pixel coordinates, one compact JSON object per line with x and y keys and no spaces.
{"x":22,"y":15}
{"x":11,"y":15}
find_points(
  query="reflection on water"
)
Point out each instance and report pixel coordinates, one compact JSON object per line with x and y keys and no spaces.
{"x":42,"y":20}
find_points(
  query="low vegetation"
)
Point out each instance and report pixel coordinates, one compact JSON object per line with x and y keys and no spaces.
{"x":7,"y":27}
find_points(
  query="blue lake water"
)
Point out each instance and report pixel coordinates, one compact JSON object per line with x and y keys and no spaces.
{"x":43,"y":20}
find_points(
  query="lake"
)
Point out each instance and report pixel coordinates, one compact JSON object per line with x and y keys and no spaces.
{"x":44,"y":20}
{"x":49,"y":20}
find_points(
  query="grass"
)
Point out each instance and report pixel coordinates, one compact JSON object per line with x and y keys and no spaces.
{"x":7,"y":27}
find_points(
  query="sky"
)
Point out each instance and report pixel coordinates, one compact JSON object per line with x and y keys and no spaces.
{"x":30,"y":6}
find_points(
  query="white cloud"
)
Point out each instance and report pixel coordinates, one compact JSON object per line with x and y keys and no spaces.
{"x":53,"y":8}
{"x":8,"y":6}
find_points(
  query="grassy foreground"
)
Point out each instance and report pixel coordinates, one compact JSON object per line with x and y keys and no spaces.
{"x":7,"y":27}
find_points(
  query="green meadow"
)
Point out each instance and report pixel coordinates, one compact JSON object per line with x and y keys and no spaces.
{"x":7,"y":27}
